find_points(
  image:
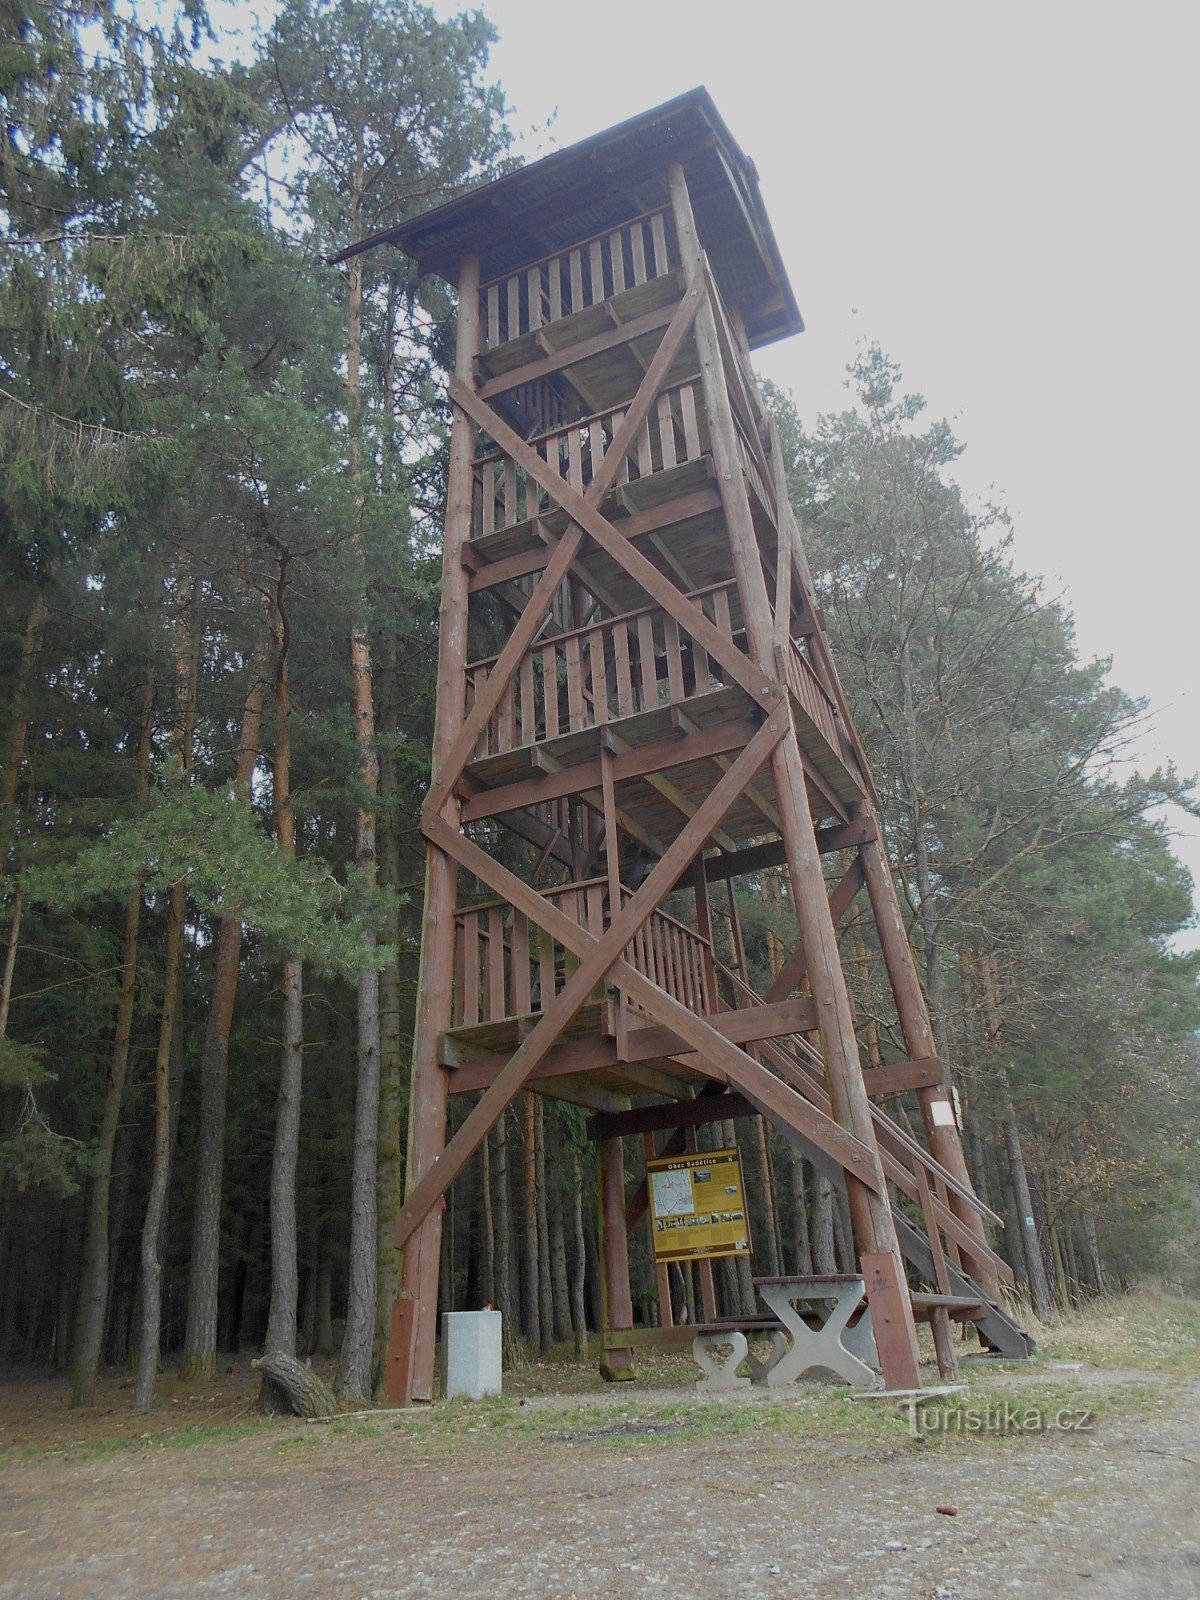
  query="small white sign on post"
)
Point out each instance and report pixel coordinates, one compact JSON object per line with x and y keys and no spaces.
{"x":472,"y":1353}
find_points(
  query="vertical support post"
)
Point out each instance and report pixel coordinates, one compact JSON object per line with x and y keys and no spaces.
{"x":708,"y":1287}
{"x":870,"y":1212}
{"x":616,"y":1366}
{"x":662,"y":1273}
{"x":409,"y":1370}
{"x":941,"y":1126}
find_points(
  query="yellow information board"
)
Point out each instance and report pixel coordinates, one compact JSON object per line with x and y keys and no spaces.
{"x":698,"y":1206}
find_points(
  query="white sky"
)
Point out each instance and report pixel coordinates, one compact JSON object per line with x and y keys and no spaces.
{"x":999,"y":196}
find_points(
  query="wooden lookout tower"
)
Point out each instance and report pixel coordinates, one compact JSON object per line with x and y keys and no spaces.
{"x":636,"y":700}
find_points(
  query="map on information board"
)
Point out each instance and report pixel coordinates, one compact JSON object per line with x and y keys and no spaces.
{"x":672,"y":1193}
{"x":697,"y":1206}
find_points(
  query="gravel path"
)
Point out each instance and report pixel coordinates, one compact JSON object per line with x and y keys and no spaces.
{"x":623,"y":1495}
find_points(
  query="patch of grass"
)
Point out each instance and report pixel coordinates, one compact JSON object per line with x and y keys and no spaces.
{"x":85,"y":1450}
{"x":1148,"y":1328}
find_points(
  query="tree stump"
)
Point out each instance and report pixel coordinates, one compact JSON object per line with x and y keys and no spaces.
{"x":289,"y":1388}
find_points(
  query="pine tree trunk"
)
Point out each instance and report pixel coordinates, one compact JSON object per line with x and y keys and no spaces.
{"x":545,"y":1293}
{"x":1039,"y":1288}
{"x":390,"y":1159}
{"x":93,"y":1292}
{"x":357,"y":1359}
{"x":200,"y":1335}
{"x":502,"y":1218}
{"x":821,"y":1220}
{"x":488,"y":1265}
{"x":18,"y":726}
{"x":578,"y":1279}
{"x":770,"y":1230}
{"x":803,"y":1244}
{"x":530,"y":1297}
{"x":559,"y":1283}
{"x":187,"y":656}
{"x":285,"y":1276}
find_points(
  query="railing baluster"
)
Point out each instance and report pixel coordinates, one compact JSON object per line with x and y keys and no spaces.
{"x":545,"y":969}
{"x":576,"y":259}
{"x":616,"y":257}
{"x":493,"y":315}
{"x":516,"y":308}
{"x":574,"y":682}
{"x":674,"y":659}
{"x":519,"y":937}
{"x":596,"y":264}
{"x":495,"y":941}
{"x":510,"y":493}
{"x":533,"y":288}
{"x":554,"y":272}
{"x":599,"y":676}
{"x":658,"y":232}
{"x":666,"y":431}
{"x":691,"y":426}
{"x":528,"y":716}
{"x":637,"y":240}
{"x":647,"y":662}
{"x":470,"y":969}
{"x":625,"y":702}
{"x":550,"y":689}
{"x":575,"y":460}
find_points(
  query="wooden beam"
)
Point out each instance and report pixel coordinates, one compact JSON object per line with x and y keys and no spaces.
{"x":685,"y":1114}
{"x":637,"y":525}
{"x":557,"y":782}
{"x":570,"y":355}
{"x":902,"y":1076}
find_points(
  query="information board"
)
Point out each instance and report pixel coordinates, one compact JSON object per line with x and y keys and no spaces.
{"x":698,"y":1206}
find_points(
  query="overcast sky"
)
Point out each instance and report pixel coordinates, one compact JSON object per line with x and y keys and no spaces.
{"x":1004,"y":197}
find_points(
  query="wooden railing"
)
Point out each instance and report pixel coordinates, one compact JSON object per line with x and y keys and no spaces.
{"x":589,"y":273}
{"x":589,"y":676}
{"x":815,"y":698}
{"x":672,"y":434}
{"x":508,"y":967}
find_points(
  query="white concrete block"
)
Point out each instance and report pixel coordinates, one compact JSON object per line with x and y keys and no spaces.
{"x":472,"y":1353}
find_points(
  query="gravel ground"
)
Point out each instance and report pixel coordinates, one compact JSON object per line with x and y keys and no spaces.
{"x":625,"y":1494}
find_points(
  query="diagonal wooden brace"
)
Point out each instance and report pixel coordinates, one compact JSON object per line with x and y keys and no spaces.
{"x":643,"y":572}
{"x":568,"y":546}
{"x":722,"y":1059}
{"x":598,"y":957}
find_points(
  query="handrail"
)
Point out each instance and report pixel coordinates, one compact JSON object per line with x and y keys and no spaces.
{"x":606,"y":622}
{"x":576,"y":244}
{"x":578,"y":423}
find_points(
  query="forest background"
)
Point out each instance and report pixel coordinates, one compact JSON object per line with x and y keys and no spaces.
{"x":222,"y":466}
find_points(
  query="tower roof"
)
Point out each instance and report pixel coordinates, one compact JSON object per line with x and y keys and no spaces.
{"x":601,"y":182}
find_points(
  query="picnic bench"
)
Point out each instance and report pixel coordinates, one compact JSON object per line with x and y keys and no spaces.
{"x":815,"y":1323}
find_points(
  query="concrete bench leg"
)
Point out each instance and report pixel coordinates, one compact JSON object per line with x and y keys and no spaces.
{"x":860,"y":1340}
{"x":720,"y":1375}
{"x":820,"y":1348}
{"x":760,"y":1371}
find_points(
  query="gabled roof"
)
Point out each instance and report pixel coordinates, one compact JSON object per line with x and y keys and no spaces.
{"x":595,"y":185}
